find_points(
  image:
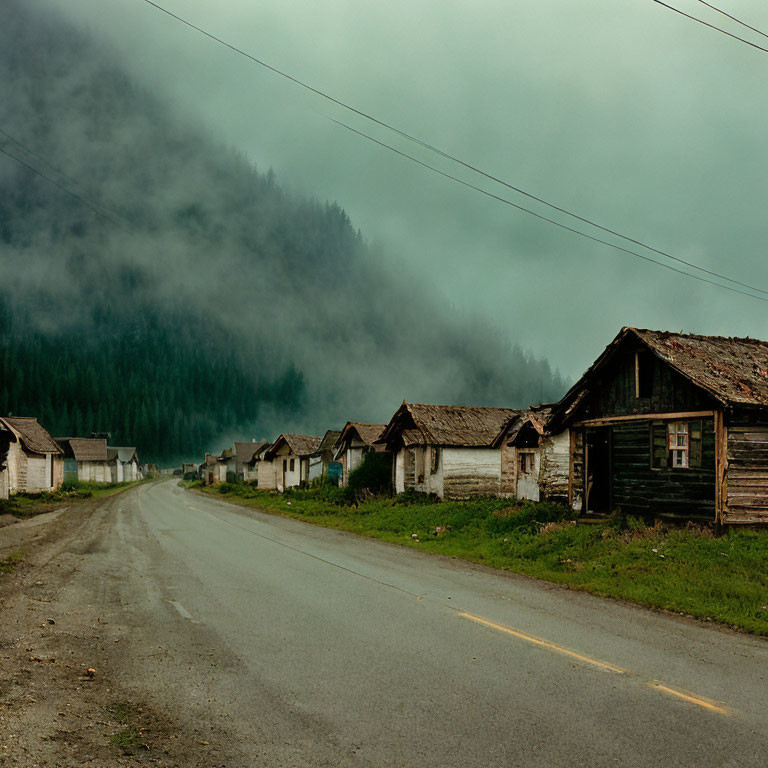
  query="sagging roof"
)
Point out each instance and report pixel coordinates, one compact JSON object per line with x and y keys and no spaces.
{"x":451,"y":425}
{"x":88,"y":449}
{"x":299,"y":445}
{"x":328,"y":441}
{"x":732,"y":370}
{"x":367,"y":433}
{"x":537,"y":416}
{"x":34,"y":437}
{"x":247,"y":452}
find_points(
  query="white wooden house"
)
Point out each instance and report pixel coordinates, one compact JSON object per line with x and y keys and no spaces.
{"x":446,"y":449}
{"x":30,"y":459}
{"x":248,"y":457}
{"x":535,"y":463}
{"x":124,"y":464}
{"x":86,"y":459}
{"x":356,"y":439}
{"x":321,"y":459}
{"x":289,"y":455}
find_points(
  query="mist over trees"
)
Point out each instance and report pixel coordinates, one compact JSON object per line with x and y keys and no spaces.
{"x":203,"y":301}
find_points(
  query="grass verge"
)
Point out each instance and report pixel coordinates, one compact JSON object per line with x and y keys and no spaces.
{"x":28,"y":504}
{"x":684,"y":569}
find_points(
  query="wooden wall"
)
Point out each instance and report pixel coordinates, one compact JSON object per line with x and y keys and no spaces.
{"x":747,"y":469}
{"x":638,"y":489}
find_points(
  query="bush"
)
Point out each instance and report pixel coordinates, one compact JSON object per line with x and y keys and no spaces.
{"x":374,"y":475}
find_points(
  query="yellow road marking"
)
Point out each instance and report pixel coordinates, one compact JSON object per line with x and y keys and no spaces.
{"x":693,"y":698}
{"x":545,"y":643}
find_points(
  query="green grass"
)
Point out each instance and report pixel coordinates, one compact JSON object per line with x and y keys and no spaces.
{"x":685,"y":569}
{"x":26,"y":504}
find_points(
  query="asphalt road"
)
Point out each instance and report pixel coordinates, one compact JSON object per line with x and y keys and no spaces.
{"x":319,"y":648}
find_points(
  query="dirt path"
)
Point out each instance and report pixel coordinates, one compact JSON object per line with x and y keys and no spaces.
{"x":60,"y":620}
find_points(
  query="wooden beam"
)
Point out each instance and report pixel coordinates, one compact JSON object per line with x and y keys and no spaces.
{"x":604,"y":422}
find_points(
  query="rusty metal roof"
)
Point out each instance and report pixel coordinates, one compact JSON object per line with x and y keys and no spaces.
{"x":32,"y":434}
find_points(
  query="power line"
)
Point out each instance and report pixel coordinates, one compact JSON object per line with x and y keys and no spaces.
{"x":711,"y":26}
{"x":448,"y":156}
{"x":733,"y":18}
{"x":56,"y":170}
{"x":540,"y":216}
{"x":83,"y":200}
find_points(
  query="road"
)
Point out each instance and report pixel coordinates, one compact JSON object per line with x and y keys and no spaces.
{"x":312,"y":647}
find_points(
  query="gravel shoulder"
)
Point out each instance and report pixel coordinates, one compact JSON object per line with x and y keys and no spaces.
{"x":62,"y":617}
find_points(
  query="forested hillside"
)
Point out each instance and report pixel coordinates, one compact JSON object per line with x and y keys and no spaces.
{"x":180,"y":297}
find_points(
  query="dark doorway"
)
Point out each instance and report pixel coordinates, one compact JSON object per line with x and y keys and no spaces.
{"x":597,"y":473}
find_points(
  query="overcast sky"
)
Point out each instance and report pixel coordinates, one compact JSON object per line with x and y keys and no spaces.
{"x":616,"y":109}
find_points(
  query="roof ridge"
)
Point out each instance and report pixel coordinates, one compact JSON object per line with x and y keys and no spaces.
{"x":748,"y":339}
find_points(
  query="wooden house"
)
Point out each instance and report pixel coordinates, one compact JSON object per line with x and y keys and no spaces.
{"x":671,"y":424}
{"x":535,"y":462}
{"x":123,"y":464}
{"x":289,"y":455}
{"x":321,"y":459}
{"x":356,"y":439}
{"x":85,"y":459}
{"x":30,"y":459}
{"x":446,"y":449}
{"x":248,"y":457}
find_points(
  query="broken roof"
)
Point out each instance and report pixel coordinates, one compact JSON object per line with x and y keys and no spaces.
{"x":732,"y":370}
{"x":454,"y":425}
{"x":299,"y":445}
{"x":88,"y":449}
{"x":32,"y":434}
{"x":247,"y":452}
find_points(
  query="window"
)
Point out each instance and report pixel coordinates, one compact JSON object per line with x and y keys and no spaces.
{"x":677,"y":438}
{"x":285,"y":464}
{"x":676,"y":444}
{"x":435,"y":458}
{"x":525,"y":463}
{"x":293,"y":464}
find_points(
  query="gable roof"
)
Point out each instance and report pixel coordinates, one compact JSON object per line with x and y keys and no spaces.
{"x":299,"y":445}
{"x":32,"y":434}
{"x":246,"y":452}
{"x":124,"y":454}
{"x":732,"y":370}
{"x":328,"y":441}
{"x":88,"y":449}
{"x":368,"y":433}
{"x":453,"y":425}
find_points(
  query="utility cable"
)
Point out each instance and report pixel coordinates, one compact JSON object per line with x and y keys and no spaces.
{"x":447,"y":155}
{"x":540,"y":216}
{"x":733,"y":18}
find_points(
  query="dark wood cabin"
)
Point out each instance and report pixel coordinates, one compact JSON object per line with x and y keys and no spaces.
{"x":671,"y":424}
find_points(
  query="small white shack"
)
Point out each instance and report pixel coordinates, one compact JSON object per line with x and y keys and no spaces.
{"x":289,"y":455}
{"x":356,"y":439}
{"x":248,"y":458}
{"x":31,"y":461}
{"x":124,"y":464}
{"x":89,"y":457}
{"x":446,"y":449}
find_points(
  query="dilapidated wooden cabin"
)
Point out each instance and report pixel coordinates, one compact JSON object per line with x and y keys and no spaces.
{"x":535,"y":462}
{"x":671,"y":424}
{"x":356,"y":439}
{"x":30,"y":459}
{"x":248,"y":457}
{"x":447,"y":450}
{"x":289,"y":455}
{"x":85,"y":459}
{"x":321,"y":459}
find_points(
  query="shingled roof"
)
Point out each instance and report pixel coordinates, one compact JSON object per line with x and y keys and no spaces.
{"x":246,"y":452}
{"x":299,"y":445}
{"x":32,"y":434}
{"x":88,"y":448}
{"x":453,"y":425}
{"x":732,"y":370}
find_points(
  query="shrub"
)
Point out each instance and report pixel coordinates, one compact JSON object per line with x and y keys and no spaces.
{"x":531,"y":516}
{"x":374,"y":475}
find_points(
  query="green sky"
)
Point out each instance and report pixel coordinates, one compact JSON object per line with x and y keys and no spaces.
{"x":616,"y":109}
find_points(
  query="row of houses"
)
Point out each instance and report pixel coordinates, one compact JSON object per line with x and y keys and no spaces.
{"x":31,"y":461}
{"x":661,"y":423}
